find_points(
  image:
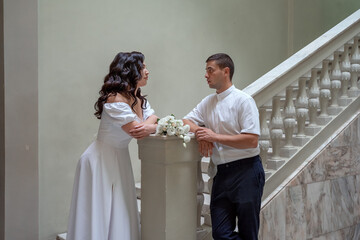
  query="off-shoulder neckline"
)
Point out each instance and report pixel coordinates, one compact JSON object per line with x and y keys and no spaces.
{"x":124,"y":103}
{"x":116,"y":103}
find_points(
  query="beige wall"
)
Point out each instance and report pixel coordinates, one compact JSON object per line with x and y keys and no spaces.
{"x":76,"y":41}
{"x":314,"y":17}
{"x":2,"y":127}
{"x":21,"y":120}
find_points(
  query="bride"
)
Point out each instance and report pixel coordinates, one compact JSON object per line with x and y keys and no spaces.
{"x":104,"y":205}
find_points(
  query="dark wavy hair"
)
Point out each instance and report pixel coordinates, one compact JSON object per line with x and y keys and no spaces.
{"x":124,"y":74}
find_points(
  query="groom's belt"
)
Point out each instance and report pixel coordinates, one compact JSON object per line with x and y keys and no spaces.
{"x":238,"y":163}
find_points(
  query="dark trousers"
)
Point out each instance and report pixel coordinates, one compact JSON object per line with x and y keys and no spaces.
{"x":236,"y":193}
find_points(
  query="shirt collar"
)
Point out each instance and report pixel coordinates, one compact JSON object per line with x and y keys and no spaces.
{"x":224,"y":94}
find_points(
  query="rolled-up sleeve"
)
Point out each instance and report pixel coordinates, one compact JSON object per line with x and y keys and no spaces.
{"x":197,"y":114}
{"x":249,"y":117}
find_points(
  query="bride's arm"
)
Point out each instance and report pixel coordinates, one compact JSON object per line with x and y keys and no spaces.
{"x":140,"y":130}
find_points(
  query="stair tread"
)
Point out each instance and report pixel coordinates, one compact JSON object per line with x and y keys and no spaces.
{"x":61,"y":236}
{"x":205,"y":159}
{"x":205,"y":177}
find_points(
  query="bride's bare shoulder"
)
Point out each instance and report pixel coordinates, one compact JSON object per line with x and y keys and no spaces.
{"x":117,"y":98}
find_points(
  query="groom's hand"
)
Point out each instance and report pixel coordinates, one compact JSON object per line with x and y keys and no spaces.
{"x":205,"y":134}
{"x":206,"y":148}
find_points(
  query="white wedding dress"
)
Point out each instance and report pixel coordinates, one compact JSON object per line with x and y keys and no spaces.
{"x":104,"y":205}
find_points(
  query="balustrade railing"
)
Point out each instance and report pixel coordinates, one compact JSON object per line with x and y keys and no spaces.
{"x":324,"y":77}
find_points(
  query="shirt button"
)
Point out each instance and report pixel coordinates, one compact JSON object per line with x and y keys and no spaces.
{"x":227,"y":165}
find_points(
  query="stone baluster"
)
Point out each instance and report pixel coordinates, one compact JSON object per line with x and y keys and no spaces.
{"x":211,"y":171}
{"x":289,"y":124}
{"x":200,"y":193}
{"x":276,"y":134}
{"x":264,"y":139}
{"x":335,"y":77}
{"x":345,"y":67}
{"x":200,"y":231}
{"x":314,"y":104}
{"x":325,"y":93}
{"x":355,"y":69}
{"x":289,"y":117}
{"x":314,"y":93}
{"x":301,"y":112}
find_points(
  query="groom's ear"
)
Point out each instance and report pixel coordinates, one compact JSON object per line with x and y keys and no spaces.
{"x":227,"y":71}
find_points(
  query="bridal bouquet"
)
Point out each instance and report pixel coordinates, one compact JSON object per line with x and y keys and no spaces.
{"x":169,"y":126}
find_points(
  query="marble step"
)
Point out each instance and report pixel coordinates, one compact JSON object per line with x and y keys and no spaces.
{"x":205,"y":164}
{"x":61,"y":236}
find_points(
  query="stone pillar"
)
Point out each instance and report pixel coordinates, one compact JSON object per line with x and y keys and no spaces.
{"x":314,"y":104}
{"x":276,"y":134}
{"x":302,"y":112}
{"x":168,"y":188}
{"x":345,"y":67}
{"x":354,"y":90}
{"x":325,"y":94}
{"x":289,"y":124}
{"x":335,"y":78}
{"x":264,"y":139}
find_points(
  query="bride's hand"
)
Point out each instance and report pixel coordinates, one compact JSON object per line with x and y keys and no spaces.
{"x":142,"y":130}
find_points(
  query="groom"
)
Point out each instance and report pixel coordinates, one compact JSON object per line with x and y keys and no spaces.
{"x":230,"y":136}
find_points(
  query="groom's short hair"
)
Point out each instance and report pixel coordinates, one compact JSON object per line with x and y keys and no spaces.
{"x":223,"y":60}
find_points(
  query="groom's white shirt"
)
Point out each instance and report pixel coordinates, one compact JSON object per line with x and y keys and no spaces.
{"x":231,"y":112}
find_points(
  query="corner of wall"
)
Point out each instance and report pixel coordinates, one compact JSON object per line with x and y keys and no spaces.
{"x":2,"y":128}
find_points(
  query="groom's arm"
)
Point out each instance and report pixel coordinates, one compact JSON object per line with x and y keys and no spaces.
{"x":205,"y":147}
{"x":193,"y":126}
{"x":240,"y":141}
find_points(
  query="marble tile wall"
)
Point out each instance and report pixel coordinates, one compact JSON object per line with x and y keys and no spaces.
{"x":323,"y":201}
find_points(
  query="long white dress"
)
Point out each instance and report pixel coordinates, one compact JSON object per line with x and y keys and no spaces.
{"x":104,"y":205}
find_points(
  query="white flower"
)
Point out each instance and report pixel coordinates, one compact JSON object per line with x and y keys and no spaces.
{"x":162,"y":121}
{"x":171,"y":132}
{"x":169,"y":126}
{"x":179,"y":123}
{"x":180,"y":130}
{"x":186,"y":128}
{"x":158,"y":129}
